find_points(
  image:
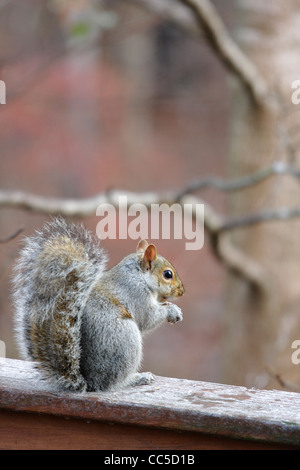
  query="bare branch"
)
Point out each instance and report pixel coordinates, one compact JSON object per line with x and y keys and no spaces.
{"x":242,"y":265}
{"x":215,"y":225}
{"x":221,"y":244}
{"x":74,"y":207}
{"x":211,"y":25}
{"x":292,"y":387}
{"x":12,"y":236}
{"x":87,"y":206}
{"x":228,"y":51}
{"x":267,"y":215}
{"x":237,"y":184}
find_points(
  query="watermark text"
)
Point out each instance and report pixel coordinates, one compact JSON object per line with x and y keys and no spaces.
{"x":2,"y":349}
{"x":158,"y":221}
{"x":296,"y":353}
{"x":2,"y":92}
{"x":296,"y":94}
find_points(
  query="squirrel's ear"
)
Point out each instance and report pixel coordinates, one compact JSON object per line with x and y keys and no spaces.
{"x":142,"y":246}
{"x":149,"y":255}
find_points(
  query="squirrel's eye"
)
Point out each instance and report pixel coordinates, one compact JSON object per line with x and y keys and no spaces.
{"x":168,"y":274}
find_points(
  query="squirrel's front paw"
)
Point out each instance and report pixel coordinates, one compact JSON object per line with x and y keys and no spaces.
{"x":174,"y":313}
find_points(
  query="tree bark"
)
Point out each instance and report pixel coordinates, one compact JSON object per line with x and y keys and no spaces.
{"x":259,"y":330}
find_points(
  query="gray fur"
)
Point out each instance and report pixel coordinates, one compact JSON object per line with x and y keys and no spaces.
{"x":81,"y":325}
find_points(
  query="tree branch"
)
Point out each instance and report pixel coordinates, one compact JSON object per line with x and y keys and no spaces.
{"x":221,"y":244}
{"x":243,"y":266}
{"x":292,"y":387}
{"x":205,"y":20}
{"x":12,"y":235}
{"x":237,"y":184}
{"x":217,"y":227}
{"x":267,"y":215}
{"x":228,"y":51}
{"x":75,"y":207}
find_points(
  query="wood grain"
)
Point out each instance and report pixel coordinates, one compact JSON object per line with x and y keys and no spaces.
{"x":170,"y":413}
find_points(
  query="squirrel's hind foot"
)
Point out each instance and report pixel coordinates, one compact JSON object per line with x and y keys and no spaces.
{"x":143,"y":378}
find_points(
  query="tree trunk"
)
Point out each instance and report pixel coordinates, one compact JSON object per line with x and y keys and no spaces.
{"x":259,"y":330}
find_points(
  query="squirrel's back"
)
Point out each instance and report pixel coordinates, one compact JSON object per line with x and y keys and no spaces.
{"x":54,"y":275}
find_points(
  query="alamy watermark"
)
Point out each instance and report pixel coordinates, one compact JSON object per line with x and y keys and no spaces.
{"x":2,"y":92}
{"x":296,"y":94}
{"x":2,"y":349}
{"x":295,"y":98}
{"x":296,"y":353}
{"x":159,"y":221}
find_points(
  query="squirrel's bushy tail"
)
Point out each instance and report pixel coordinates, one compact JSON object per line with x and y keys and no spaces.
{"x":54,"y":275}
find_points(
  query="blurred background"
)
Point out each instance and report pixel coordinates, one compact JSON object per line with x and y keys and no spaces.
{"x":106,"y":95}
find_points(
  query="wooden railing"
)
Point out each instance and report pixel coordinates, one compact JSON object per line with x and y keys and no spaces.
{"x":171,"y":414}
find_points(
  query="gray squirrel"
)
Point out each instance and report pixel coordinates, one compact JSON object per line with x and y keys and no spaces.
{"x":82,"y":325}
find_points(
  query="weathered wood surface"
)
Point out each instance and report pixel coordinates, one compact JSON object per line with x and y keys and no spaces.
{"x":170,"y":414}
